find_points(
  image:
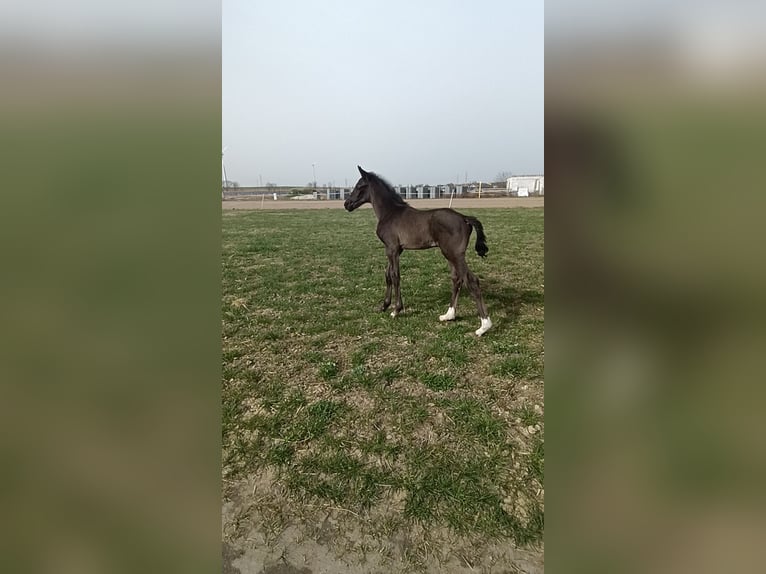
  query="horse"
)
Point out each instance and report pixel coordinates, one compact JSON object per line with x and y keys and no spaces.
{"x":401,"y":226}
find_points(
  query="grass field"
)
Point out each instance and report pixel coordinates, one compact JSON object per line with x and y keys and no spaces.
{"x":403,"y":423}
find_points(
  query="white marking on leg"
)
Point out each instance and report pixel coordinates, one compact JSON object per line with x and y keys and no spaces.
{"x":486,"y":323}
{"x":449,"y":315}
{"x":393,"y":314}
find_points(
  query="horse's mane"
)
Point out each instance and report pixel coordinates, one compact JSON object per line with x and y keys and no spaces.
{"x":393,"y":195}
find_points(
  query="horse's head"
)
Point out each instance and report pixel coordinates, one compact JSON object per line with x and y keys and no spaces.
{"x":361,"y":192}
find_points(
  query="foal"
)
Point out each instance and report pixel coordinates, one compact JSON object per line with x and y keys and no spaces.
{"x":401,"y":226}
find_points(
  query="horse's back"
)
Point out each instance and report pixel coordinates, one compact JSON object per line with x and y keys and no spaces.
{"x":443,"y":227}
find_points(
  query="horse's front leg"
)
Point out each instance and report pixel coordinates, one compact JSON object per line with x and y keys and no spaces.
{"x":387,"y":298}
{"x":395,"y":280}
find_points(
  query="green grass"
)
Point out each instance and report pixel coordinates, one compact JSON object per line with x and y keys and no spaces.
{"x":352,"y":407}
{"x":328,"y":370}
{"x":517,"y":366}
{"x":438,"y":381}
{"x":474,"y":420}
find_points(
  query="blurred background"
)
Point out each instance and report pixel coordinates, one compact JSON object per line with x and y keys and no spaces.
{"x":110,"y":297}
{"x":654,"y":263}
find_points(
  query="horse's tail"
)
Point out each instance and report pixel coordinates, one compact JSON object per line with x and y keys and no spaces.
{"x":481,"y":239}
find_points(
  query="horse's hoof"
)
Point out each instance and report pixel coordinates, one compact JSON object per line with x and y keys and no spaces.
{"x":486,"y":323}
{"x":449,"y":315}
{"x":393,"y":314}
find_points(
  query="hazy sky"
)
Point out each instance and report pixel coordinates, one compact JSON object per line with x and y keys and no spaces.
{"x":419,"y":91}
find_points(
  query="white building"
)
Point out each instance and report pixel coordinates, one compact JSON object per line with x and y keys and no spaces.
{"x":525,"y":185}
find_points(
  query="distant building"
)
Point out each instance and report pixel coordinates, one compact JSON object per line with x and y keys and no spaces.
{"x":336,"y":192}
{"x":525,"y":185}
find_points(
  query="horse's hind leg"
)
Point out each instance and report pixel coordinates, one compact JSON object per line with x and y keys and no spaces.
{"x":457,"y":282}
{"x":473,"y":286}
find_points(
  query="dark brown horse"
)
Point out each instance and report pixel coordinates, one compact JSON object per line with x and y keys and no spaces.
{"x":401,"y":226}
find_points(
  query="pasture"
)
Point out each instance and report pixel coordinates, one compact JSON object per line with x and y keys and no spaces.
{"x":407,"y":440}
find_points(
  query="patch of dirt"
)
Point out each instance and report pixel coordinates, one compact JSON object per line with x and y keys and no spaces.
{"x":263,"y":534}
{"x":229,"y":555}
{"x":285,"y":569}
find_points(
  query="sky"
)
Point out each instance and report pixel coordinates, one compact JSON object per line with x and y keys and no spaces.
{"x":418,"y":91}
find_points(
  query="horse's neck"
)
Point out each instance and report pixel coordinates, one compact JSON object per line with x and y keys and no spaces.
{"x":381,"y":202}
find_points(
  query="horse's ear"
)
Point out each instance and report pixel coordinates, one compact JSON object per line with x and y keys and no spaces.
{"x":363,"y":173}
